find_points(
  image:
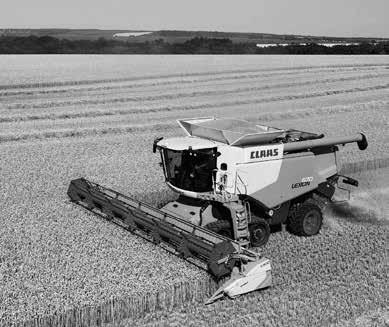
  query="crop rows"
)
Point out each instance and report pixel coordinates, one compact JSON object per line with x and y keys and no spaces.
{"x":30,"y":71}
{"x":184,"y":81}
{"x":268,"y":93}
{"x":369,"y":118}
{"x":62,"y":266}
{"x":196,"y":88}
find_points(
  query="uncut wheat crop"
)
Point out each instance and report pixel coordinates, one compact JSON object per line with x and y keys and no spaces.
{"x":63,"y":117}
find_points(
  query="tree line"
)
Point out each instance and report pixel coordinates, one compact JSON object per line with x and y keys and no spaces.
{"x":197,"y":45}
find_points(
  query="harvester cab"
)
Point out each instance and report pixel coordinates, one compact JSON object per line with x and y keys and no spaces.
{"x":234,"y":180}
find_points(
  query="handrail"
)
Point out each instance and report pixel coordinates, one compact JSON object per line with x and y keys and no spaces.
{"x":237,"y":190}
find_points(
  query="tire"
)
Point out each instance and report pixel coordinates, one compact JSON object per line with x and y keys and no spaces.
{"x":222,"y":227}
{"x":259,"y":232}
{"x":307,"y":220}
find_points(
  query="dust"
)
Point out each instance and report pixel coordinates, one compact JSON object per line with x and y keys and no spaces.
{"x":369,"y":206}
{"x":331,"y":222}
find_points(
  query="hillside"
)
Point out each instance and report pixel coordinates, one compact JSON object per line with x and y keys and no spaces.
{"x":177,"y":36}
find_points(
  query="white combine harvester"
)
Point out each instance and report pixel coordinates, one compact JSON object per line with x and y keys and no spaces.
{"x":234,"y":179}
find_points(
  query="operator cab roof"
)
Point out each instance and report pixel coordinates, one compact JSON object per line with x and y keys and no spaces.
{"x":229,"y":131}
{"x":183,"y":143}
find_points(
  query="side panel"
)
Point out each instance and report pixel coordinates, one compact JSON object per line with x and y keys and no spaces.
{"x":298,"y":174}
{"x":259,"y":175}
{"x":326,"y":165}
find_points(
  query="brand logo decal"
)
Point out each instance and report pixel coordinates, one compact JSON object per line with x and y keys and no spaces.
{"x":263,"y":153}
{"x":301,"y":184}
{"x":305,"y":181}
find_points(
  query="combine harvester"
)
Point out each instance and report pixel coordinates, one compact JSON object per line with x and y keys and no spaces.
{"x":234,"y":180}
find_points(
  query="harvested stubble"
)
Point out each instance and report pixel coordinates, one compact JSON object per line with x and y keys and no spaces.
{"x":375,"y":318}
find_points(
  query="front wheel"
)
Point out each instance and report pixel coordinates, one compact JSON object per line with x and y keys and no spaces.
{"x":222,"y":227}
{"x":259,"y":232}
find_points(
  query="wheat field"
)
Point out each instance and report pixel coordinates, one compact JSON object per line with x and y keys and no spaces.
{"x":63,"y":117}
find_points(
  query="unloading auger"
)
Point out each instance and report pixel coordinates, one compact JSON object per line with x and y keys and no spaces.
{"x":234,"y":180}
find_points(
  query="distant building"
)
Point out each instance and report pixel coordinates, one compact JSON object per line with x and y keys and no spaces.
{"x":330,"y":45}
{"x":324,"y":44}
{"x":131,"y":34}
{"x":269,"y":45}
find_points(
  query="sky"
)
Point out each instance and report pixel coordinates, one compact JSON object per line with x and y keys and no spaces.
{"x":368,"y":18}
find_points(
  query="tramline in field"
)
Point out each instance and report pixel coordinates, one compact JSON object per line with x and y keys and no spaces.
{"x":234,"y":179}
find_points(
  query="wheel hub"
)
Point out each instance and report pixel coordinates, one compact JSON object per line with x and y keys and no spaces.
{"x":259,"y":233}
{"x":312,"y":222}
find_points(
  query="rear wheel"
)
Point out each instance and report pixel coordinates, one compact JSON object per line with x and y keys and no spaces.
{"x":222,"y":227}
{"x":307,"y":220}
{"x":259,"y":232}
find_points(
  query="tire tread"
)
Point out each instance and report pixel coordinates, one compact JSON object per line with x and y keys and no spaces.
{"x":295,"y":222}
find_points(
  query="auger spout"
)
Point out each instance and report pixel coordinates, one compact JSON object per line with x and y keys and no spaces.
{"x":360,"y":139}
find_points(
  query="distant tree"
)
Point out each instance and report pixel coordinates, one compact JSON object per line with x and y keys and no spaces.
{"x":198,"y":45}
